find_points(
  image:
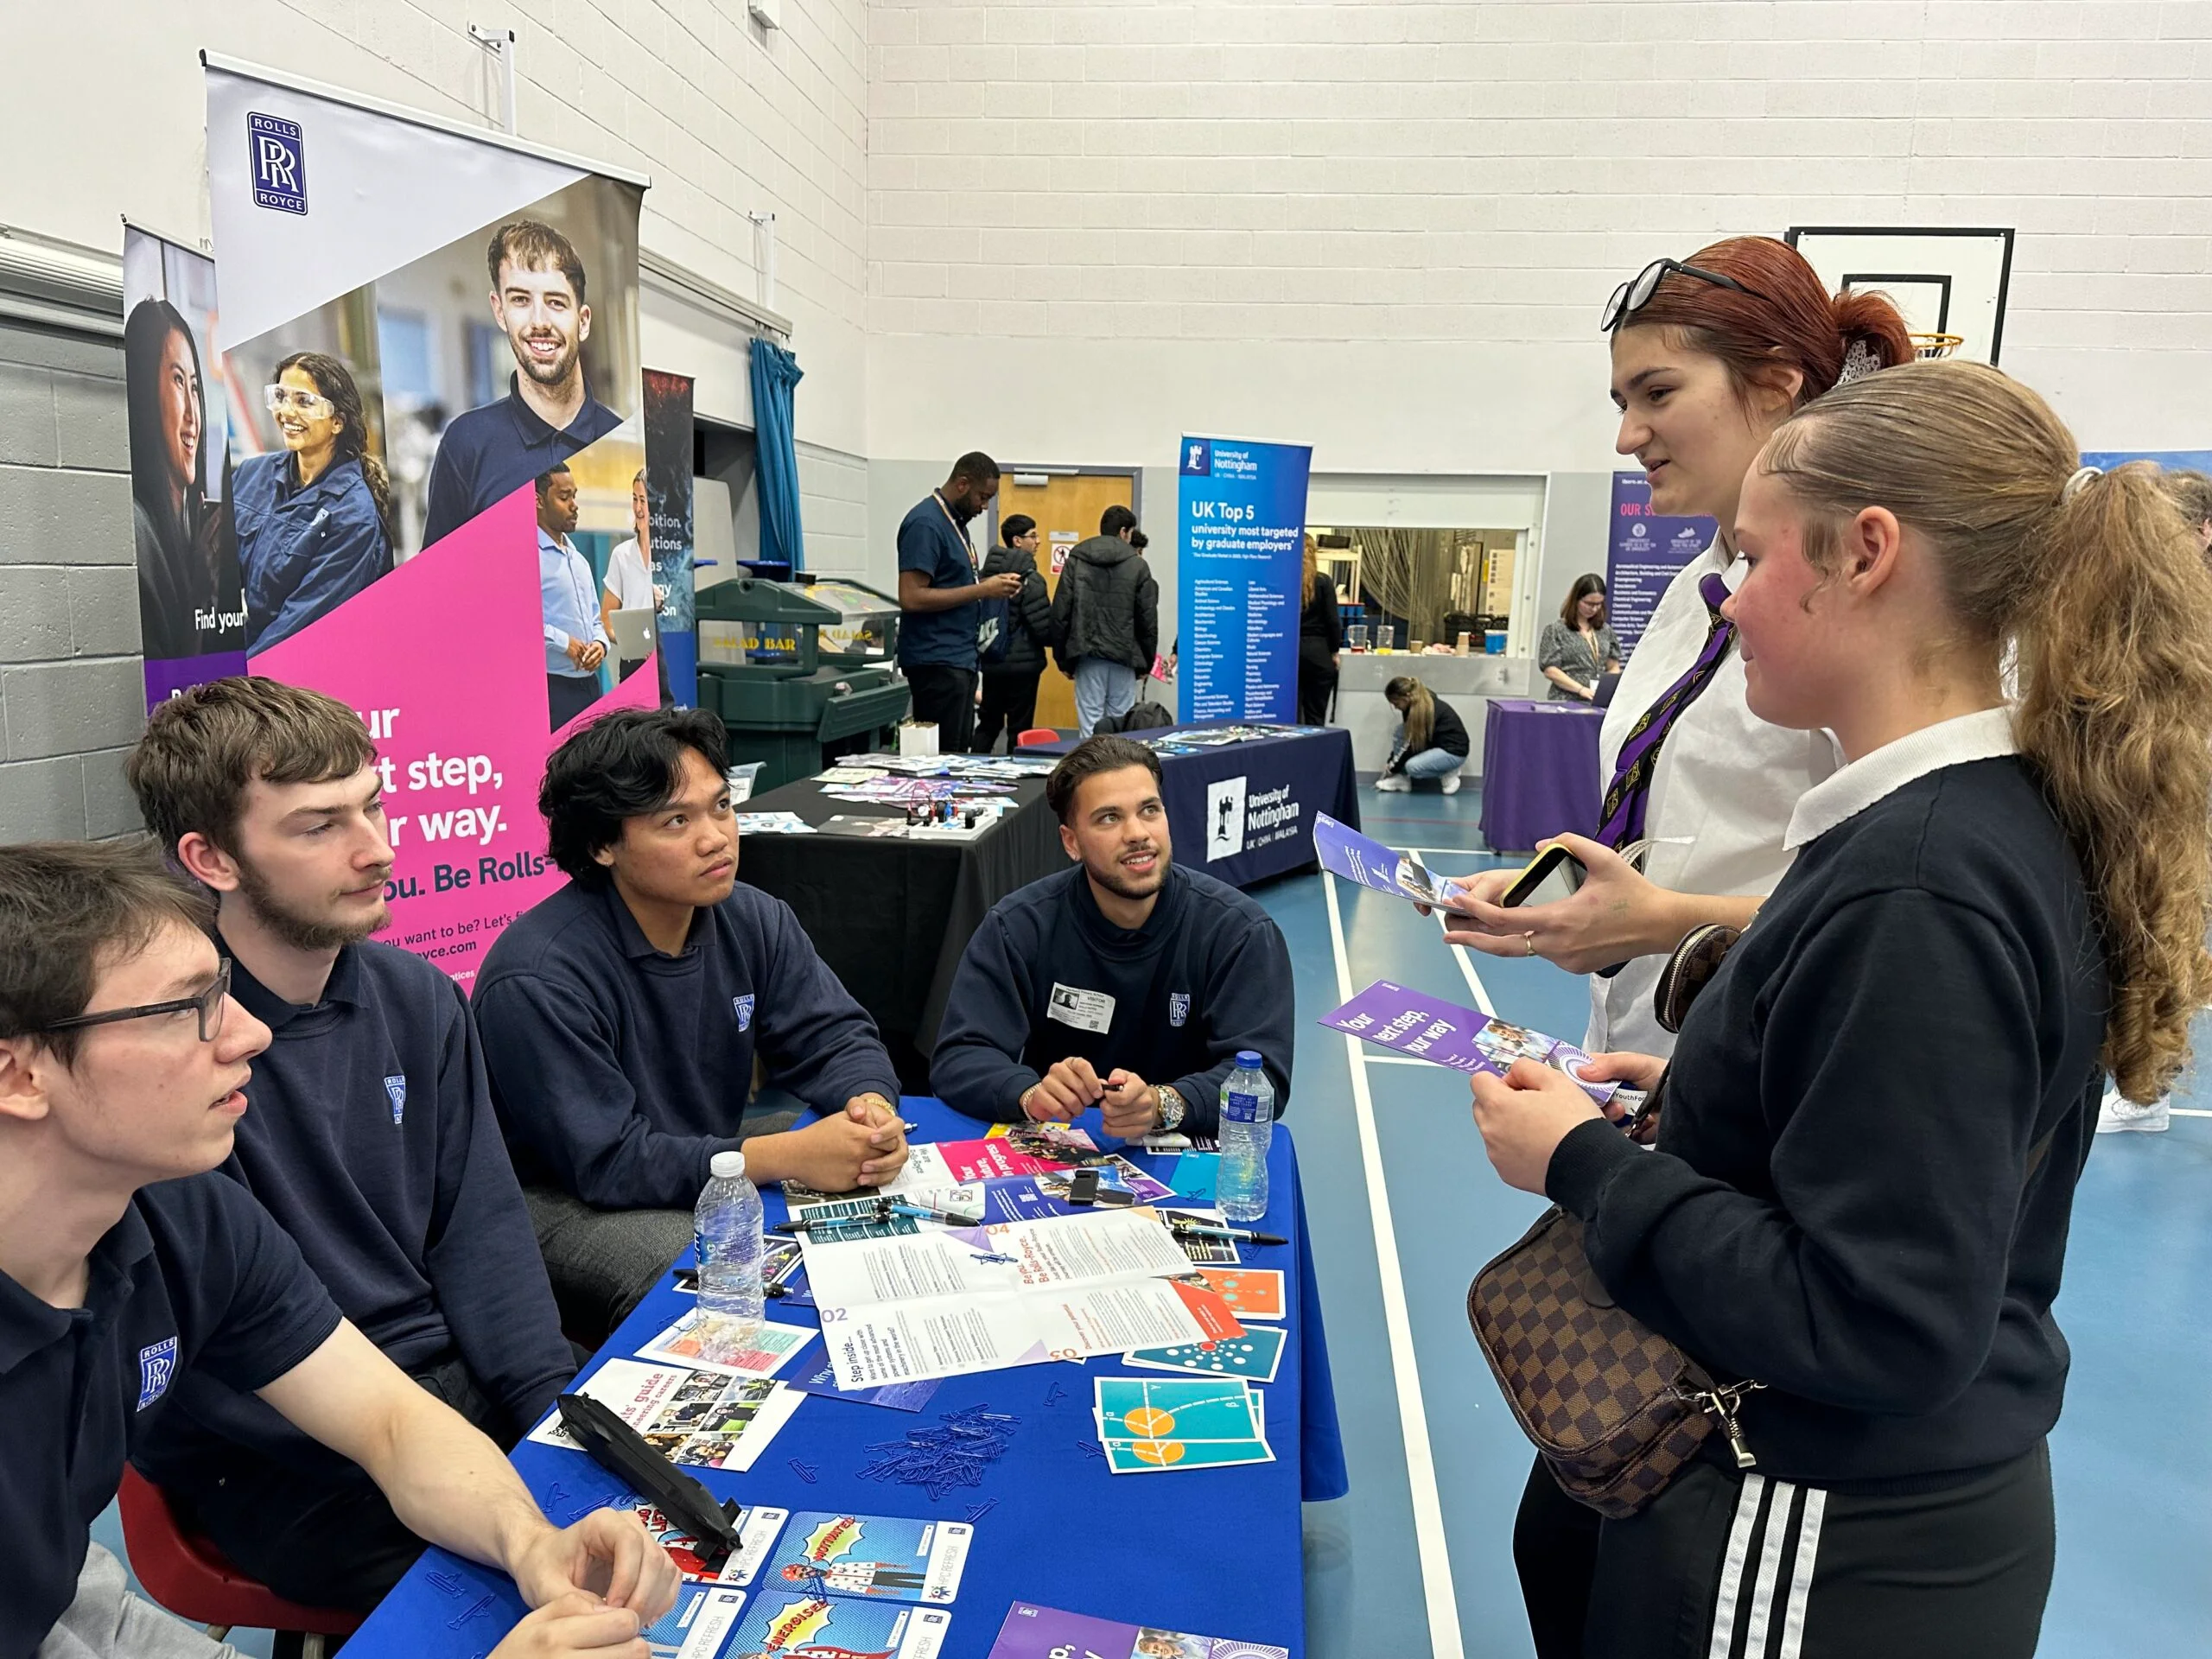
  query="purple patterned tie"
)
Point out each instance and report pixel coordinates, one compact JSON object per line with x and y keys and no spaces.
{"x":1631,"y":792}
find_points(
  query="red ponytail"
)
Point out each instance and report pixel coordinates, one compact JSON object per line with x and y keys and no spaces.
{"x":1789,"y":320}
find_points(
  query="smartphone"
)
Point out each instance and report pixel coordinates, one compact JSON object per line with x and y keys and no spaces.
{"x":1083,"y":1186}
{"x":1553,"y":875}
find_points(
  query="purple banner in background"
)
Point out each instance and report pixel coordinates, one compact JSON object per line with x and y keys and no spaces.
{"x":1397,"y":1017}
{"x":1644,"y":552}
{"x":165,"y":679}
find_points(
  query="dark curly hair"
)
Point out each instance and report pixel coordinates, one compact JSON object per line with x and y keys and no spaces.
{"x":621,"y":766}
{"x":1105,"y":752}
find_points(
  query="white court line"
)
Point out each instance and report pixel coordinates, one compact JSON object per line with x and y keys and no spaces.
{"x":1435,"y":1560}
{"x":1395,"y":1060}
{"x":2188,"y":1111}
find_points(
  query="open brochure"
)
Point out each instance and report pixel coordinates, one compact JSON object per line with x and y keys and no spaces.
{"x":979,"y":1299}
{"x":1344,"y":851}
{"x":1398,"y":1017}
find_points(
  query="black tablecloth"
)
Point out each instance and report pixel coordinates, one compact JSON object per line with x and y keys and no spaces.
{"x":1244,"y":811}
{"x":892,"y":917}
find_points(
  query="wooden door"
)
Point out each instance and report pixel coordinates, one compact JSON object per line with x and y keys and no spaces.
{"x":1071,"y":505}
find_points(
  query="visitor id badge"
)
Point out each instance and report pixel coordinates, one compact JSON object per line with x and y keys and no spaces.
{"x":1084,"y":1010}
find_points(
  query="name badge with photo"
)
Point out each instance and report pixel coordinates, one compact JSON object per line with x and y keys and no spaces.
{"x":1084,"y":1010}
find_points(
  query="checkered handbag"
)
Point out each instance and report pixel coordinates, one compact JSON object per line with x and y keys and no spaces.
{"x":1615,"y":1408}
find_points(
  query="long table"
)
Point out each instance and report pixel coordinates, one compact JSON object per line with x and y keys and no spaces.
{"x":893,"y":917}
{"x":1215,"y":1551}
{"x":1244,"y":811}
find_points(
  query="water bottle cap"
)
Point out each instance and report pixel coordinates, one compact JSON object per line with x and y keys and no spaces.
{"x":727,"y":1166}
{"x":1249,"y":1059}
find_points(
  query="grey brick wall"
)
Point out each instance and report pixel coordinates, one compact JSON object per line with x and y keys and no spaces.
{"x":71,"y":684}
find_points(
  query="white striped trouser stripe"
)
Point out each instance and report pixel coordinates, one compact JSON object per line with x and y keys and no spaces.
{"x":1801,"y":1581}
{"x":1732,"y":1568}
{"x":1777,"y":1527}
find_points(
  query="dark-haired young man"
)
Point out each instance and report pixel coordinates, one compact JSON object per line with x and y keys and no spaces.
{"x":372,"y":1139}
{"x":942,"y":599}
{"x":623,"y":1017}
{"x":1125,"y":983}
{"x":1106,"y":620}
{"x":548,"y":413}
{"x":130,"y":1276}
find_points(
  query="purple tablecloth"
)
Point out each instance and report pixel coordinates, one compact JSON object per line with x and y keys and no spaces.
{"x":1540,"y":771}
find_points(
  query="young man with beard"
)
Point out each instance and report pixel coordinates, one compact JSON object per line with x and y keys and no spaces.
{"x":626,"y":1016}
{"x":1125,"y":983}
{"x":131,"y":1276}
{"x":548,"y":413}
{"x":372,"y":1139}
{"x":941,"y":598}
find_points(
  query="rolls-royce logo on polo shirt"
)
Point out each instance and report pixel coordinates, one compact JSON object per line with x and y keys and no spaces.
{"x":1178,"y":1007}
{"x":396,"y":1087}
{"x":744,"y":1006}
{"x":156,"y":1364}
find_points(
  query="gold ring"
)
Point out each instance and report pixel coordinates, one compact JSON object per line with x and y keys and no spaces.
{"x":1530,"y":940}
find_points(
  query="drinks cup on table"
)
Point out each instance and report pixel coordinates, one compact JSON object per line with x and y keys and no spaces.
{"x":727,"y":1227}
{"x":1247,"y":1125}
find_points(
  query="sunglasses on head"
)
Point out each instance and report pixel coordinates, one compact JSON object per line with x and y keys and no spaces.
{"x":1632,"y":296}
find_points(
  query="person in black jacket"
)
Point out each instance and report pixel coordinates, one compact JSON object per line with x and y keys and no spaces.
{"x":1010,"y":684}
{"x":1106,"y":620}
{"x":1877,"y":1109}
{"x":1432,"y":740}
{"x":1320,"y":637}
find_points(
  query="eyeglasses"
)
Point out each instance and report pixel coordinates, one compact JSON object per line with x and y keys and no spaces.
{"x":1632,"y":296}
{"x":310,"y":404}
{"x":208,"y":1004}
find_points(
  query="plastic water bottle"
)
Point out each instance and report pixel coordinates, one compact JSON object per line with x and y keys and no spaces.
{"x":1248,"y":1124}
{"x":727,"y":1226}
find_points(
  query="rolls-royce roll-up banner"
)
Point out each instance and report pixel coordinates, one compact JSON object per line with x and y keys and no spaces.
{"x":435,"y":426}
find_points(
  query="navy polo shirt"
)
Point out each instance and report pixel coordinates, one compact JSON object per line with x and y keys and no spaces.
{"x":619,"y":1072}
{"x":488,"y":454}
{"x":369,"y":1137}
{"x":929,"y":544}
{"x":194,"y":1279}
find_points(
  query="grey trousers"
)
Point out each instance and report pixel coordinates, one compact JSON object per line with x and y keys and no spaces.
{"x":107,"y":1622}
{"x":603,"y":1262}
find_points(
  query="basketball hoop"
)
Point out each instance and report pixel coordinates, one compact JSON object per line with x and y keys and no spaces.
{"x":1937,"y":345}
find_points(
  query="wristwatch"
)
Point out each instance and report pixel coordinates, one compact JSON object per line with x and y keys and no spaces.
{"x":1170,"y":1111}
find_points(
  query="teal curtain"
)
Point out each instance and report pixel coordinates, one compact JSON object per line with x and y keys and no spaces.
{"x":775,"y":374}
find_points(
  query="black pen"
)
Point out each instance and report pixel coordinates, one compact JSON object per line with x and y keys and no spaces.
{"x":1206,"y":1229}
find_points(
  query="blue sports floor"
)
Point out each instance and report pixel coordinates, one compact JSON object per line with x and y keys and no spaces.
{"x":1404,"y":1207}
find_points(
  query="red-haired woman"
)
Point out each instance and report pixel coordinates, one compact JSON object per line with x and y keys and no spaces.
{"x":1710,"y":356}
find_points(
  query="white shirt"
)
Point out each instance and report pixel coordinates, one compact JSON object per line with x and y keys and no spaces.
{"x":628,"y":580}
{"x":1873,"y":778}
{"x":1722,"y":792}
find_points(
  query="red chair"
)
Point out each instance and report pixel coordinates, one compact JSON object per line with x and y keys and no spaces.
{"x":1035,"y":735}
{"x":188,"y":1576}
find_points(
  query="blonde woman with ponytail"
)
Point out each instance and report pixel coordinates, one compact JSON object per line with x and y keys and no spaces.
{"x":1432,"y":740}
{"x":1877,"y":1111}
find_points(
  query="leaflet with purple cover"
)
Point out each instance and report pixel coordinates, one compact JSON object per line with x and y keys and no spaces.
{"x":1396,"y":1016}
{"x":1034,"y":1632}
{"x":1344,"y":851}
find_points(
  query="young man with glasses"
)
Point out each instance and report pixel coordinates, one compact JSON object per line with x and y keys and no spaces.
{"x":130,"y":1276}
{"x":372,"y":1139}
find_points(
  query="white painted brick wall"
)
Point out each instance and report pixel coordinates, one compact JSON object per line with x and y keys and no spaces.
{"x":833,"y":504}
{"x":1388,"y":226}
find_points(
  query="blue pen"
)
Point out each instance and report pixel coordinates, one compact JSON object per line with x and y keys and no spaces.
{"x":921,"y":1213}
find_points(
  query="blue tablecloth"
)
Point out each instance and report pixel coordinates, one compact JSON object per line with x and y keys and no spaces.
{"x":1244,"y":811}
{"x":1060,"y":1530}
{"x":1540,"y":771}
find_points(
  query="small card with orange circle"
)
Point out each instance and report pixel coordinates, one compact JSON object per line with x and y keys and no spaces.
{"x":1202,"y":1423}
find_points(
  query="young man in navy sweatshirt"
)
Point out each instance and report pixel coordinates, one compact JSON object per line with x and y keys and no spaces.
{"x":1124,"y":983}
{"x":623,"y":1017}
{"x":132,"y":1275}
{"x":372,"y":1139}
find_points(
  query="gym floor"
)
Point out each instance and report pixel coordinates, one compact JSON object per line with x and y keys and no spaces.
{"x":1404,"y":1208}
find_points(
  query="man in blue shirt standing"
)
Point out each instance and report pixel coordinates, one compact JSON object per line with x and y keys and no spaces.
{"x":372,"y":1139}
{"x":575,"y":636}
{"x":942,"y":600}
{"x":129,"y":1274}
{"x":548,"y":413}
{"x":625,"y":1017}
